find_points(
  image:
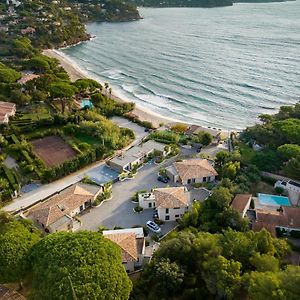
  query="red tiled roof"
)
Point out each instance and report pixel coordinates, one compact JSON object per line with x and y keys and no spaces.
{"x":171,"y":197}
{"x":194,"y":168}
{"x":61,"y":204}
{"x":289,"y":217}
{"x":240,"y":202}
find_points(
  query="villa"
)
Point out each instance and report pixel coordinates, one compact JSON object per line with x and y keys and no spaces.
{"x":7,"y":109}
{"x":58,"y":212}
{"x":136,"y":155}
{"x":192,"y":171}
{"x":132,"y":244}
{"x":171,"y":203}
{"x":286,"y":219}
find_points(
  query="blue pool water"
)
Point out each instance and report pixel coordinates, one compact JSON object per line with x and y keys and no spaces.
{"x":86,"y":102}
{"x":102,"y":174}
{"x":273,"y":200}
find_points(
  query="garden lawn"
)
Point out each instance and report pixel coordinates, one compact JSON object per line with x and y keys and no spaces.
{"x":36,"y":112}
{"x":83,"y":138}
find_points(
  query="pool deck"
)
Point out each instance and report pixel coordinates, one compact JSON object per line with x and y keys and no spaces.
{"x":271,"y":207}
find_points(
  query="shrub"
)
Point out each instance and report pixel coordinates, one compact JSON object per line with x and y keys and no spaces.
{"x":138,"y":209}
{"x":279,"y":190}
{"x":166,"y":137}
{"x":158,"y":221}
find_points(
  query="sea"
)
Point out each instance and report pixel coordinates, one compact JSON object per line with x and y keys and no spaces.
{"x":217,"y":67}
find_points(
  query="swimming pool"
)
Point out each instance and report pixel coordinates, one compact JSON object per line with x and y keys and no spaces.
{"x":273,"y":200}
{"x":86,"y":102}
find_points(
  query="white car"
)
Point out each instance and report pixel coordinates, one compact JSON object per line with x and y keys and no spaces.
{"x":153,"y":227}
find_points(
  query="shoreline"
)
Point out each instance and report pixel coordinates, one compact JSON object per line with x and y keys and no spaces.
{"x":75,"y":72}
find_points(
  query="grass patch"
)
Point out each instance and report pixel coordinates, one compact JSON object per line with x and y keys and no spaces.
{"x":83,"y":138}
{"x":36,"y":111}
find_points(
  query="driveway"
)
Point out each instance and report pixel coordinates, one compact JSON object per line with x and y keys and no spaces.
{"x":119,"y":210}
{"x":96,"y":170}
{"x":138,"y":130}
{"x":213,"y":150}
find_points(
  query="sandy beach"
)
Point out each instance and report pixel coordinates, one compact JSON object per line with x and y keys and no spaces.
{"x":75,"y":73}
{"x":143,"y":114}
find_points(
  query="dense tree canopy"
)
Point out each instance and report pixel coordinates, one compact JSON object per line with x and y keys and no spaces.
{"x":279,"y":135}
{"x":84,"y":264}
{"x":200,"y":265}
{"x":8,"y":75}
{"x":214,"y":214}
{"x":16,"y":241}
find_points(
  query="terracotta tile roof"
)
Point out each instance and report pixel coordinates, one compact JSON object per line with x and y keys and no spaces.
{"x":9,"y":294}
{"x":7,"y":107}
{"x":289,"y":217}
{"x":171,"y":197}
{"x":61,"y":204}
{"x":27,"y":77}
{"x":240,"y":202}
{"x":194,"y":168}
{"x":128,"y":244}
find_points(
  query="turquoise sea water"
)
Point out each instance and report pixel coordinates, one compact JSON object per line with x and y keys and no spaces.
{"x":273,"y":200}
{"x":219,"y":67}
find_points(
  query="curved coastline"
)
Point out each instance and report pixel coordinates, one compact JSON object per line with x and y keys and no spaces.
{"x":77,"y":72}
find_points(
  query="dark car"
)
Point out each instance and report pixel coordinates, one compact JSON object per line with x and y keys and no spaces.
{"x":163,"y":179}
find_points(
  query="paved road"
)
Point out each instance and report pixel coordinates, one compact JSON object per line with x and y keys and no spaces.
{"x":47,"y":190}
{"x":119,"y":210}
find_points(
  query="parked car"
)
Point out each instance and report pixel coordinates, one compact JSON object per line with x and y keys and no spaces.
{"x":163,"y":179}
{"x":153,"y":227}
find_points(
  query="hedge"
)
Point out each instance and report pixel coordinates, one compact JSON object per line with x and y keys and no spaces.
{"x":10,"y":175}
{"x":26,"y":156}
{"x":14,"y":138}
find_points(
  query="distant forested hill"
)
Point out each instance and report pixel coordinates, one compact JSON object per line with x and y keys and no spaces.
{"x":181,"y":3}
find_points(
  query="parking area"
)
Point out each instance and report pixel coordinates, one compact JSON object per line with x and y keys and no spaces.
{"x":119,"y":210}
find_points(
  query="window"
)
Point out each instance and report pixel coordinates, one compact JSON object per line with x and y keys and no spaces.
{"x":204,"y":179}
{"x":176,"y":216}
{"x":150,"y":205}
{"x":189,"y":181}
{"x":193,"y":180}
{"x":167,"y":210}
{"x":176,"y":207}
{"x":167,"y":218}
{"x":81,"y":208}
{"x":208,"y":179}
